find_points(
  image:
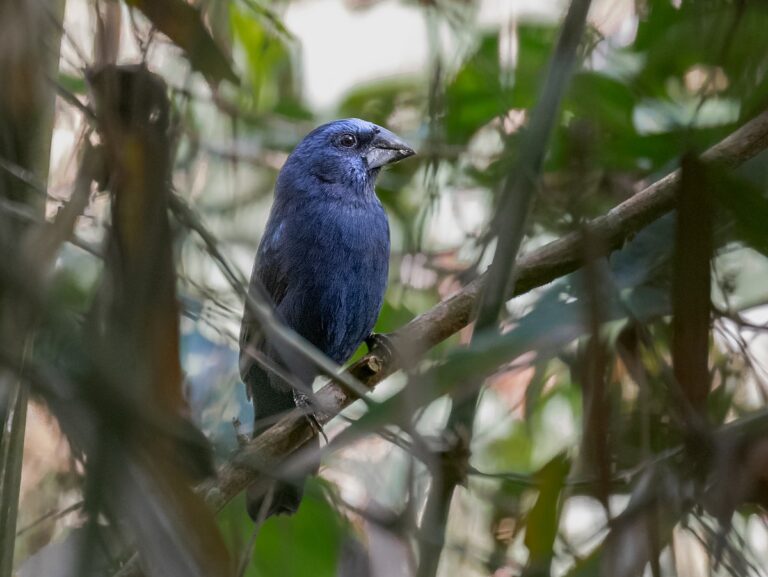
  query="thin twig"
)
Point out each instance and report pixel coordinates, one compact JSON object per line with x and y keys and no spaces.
{"x":535,"y":269}
{"x":517,"y":198}
{"x":53,"y":515}
{"x":245,"y":559}
{"x":541,"y":266}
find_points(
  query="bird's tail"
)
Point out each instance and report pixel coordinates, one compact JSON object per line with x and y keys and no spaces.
{"x":269,"y":496}
{"x":283,"y":498}
{"x":272,"y":399}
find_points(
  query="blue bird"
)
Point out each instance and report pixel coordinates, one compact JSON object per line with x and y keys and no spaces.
{"x":323,"y":261}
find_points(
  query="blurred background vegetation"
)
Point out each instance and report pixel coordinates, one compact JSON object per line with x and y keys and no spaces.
{"x":622,"y":428}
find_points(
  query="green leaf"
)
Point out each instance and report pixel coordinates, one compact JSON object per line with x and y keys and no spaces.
{"x":544,"y":518}
{"x":588,"y":566}
{"x":605,"y":99}
{"x":535,"y":47}
{"x":182,"y":23}
{"x":511,"y":452}
{"x":727,"y":35}
{"x":475,"y":96}
{"x":73,"y":83}
{"x":267,"y":14}
{"x":393,"y":317}
{"x":747,"y":204}
{"x":481,"y":91}
{"x":270,"y":73}
{"x":376,"y":101}
{"x":306,"y":544}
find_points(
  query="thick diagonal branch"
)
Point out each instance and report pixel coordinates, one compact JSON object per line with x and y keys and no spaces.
{"x":550,"y":262}
{"x":535,"y":269}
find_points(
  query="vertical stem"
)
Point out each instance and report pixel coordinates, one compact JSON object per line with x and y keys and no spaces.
{"x":29,"y":52}
{"x":691,"y":284}
{"x":11,"y":453}
{"x":433,"y":525}
{"x":514,"y":207}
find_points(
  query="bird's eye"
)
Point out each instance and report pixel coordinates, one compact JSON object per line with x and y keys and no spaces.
{"x":347,"y":140}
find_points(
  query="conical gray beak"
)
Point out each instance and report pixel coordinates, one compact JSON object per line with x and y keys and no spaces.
{"x":386,"y":148}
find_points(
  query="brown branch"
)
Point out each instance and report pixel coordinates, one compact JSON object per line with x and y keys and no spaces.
{"x":517,"y":199}
{"x":535,"y":269}
{"x":552,"y":261}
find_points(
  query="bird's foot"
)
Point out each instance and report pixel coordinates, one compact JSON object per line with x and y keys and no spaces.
{"x":242,"y":438}
{"x":317,"y":428}
{"x":382,"y":346}
{"x":302,"y":402}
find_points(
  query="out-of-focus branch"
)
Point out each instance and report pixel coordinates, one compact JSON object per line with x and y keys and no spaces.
{"x":564,"y":255}
{"x":26,"y":125}
{"x":552,"y":261}
{"x":517,"y":198}
{"x":535,"y":269}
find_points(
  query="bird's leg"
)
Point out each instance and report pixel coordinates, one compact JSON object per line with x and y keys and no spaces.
{"x":242,"y":438}
{"x":302,"y":402}
{"x":381,"y":345}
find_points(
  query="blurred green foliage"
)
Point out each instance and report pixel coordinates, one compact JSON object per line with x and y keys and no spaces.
{"x":304,"y":545}
{"x":673,"y":79}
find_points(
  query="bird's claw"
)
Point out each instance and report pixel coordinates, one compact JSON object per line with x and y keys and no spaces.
{"x":381,"y":345}
{"x":317,"y":428}
{"x":242,"y":438}
{"x":302,"y":402}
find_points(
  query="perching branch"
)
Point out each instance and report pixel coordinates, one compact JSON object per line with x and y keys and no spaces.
{"x":546,"y":264}
{"x":535,"y":269}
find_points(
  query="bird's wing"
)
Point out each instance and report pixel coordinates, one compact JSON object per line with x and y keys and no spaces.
{"x":268,"y":273}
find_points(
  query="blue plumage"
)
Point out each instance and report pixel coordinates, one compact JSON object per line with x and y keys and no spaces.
{"x":323,"y":260}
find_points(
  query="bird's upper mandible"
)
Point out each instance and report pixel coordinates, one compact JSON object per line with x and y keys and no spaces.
{"x":348,"y":152}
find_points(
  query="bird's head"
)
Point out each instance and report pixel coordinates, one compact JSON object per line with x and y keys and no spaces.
{"x":343,"y":154}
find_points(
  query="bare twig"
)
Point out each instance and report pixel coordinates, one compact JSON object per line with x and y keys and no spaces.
{"x":53,"y":515}
{"x":517,"y":199}
{"x":535,"y":269}
{"x":541,"y":266}
{"x":247,"y":554}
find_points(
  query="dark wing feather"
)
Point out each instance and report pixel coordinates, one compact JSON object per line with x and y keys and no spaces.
{"x":267,"y":273}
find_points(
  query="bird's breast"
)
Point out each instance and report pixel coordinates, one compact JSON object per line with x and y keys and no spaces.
{"x":338,"y":270}
{"x":348,"y":236}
